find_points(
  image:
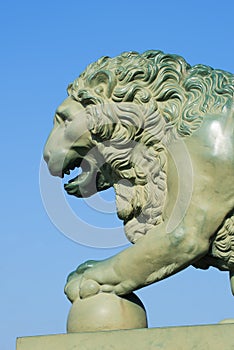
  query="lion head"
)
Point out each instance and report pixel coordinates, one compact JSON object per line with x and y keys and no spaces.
{"x":117,"y":121}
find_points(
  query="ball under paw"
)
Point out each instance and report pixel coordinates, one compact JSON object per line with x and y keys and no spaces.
{"x":106,"y":311}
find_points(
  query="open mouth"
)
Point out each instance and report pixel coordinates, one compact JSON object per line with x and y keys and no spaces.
{"x":83,"y":185}
{"x":91,"y":179}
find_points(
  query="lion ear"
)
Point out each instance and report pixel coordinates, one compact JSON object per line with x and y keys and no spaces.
{"x":103,"y":82}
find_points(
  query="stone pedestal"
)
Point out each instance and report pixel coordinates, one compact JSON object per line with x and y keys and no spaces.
{"x":208,"y":337}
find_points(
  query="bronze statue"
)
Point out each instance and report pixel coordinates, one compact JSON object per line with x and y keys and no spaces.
{"x":127,"y":122}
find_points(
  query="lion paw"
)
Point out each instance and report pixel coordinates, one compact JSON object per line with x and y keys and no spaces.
{"x":78,"y":286}
{"x":89,"y":288}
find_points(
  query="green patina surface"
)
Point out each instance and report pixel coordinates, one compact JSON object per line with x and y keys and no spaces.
{"x":161,"y":133}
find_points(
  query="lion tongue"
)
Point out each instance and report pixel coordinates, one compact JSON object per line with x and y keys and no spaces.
{"x":84,"y":185}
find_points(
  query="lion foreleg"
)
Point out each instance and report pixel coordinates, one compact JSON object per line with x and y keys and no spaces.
{"x":153,"y":258}
{"x":156,"y":256}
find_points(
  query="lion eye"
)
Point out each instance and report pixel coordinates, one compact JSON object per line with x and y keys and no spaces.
{"x":62,"y":118}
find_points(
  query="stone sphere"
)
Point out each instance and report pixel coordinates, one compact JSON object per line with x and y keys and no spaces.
{"x":106,"y":311}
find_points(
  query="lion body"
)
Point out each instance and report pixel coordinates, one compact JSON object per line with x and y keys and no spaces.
{"x":144,"y":115}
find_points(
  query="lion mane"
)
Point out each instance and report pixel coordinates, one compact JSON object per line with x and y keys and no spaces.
{"x":135,"y":104}
{"x":183,"y":94}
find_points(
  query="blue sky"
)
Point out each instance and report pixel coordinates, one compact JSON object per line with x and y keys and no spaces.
{"x":44,"y":46}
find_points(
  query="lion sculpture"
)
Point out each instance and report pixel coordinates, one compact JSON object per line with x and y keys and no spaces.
{"x":161,"y":133}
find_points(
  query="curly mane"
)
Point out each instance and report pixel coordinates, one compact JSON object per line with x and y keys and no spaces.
{"x":156,"y":96}
{"x":183,"y":94}
{"x":132,"y":140}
